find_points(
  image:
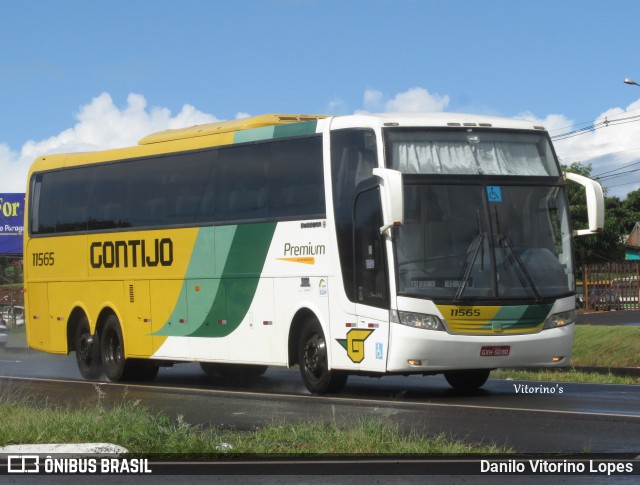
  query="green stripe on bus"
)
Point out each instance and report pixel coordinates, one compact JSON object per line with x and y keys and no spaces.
{"x":277,"y":131}
{"x":295,"y":129}
{"x":520,"y":317}
{"x":241,"y":252}
{"x":254,"y":134}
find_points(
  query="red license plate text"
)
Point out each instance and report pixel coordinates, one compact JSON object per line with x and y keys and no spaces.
{"x":495,"y":351}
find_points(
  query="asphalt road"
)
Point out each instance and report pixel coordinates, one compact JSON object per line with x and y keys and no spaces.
{"x":567,"y":418}
{"x":626,"y":317}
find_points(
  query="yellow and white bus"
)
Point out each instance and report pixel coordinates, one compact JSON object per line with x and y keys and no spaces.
{"x":363,"y":244}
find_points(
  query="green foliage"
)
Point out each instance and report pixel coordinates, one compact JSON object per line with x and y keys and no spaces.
{"x":620,"y":217}
{"x":570,"y":375}
{"x":142,"y":431}
{"x":607,"y":346}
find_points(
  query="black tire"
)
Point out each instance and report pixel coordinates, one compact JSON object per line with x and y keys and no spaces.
{"x":116,"y":367}
{"x":233,"y":371}
{"x":87,"y":348}
{"x":312,"y":358}
{"x":467,"y":380}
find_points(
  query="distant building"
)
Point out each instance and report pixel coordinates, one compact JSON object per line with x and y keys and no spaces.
{"x":632,"y":245}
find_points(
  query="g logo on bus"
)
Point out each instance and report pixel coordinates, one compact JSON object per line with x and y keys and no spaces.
{"x":354,"y":343}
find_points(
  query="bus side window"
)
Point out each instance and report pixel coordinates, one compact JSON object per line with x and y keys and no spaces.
{"x":370,"y":267}
{"x":353,"y":157}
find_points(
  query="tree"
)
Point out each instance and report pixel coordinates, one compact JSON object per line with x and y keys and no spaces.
{"x":618,"y":222}
{"x":631,"y":205}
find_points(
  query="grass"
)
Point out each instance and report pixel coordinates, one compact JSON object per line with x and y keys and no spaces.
{"x":594,"y":346}
{"x":570,"y":375}
{"x":606,"y":346}
{"x":142,"y":431}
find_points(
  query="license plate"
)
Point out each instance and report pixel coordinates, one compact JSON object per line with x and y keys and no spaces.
{"x":495,"y":351}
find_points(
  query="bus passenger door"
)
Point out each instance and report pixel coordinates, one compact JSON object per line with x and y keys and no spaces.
{"x":369,"y":341}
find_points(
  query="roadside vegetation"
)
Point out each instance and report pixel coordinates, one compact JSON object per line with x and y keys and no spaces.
{"x":606,"y":346}
{"x":602,"y":346}
{"x":143,"y":431}
{"x":569,"y":375}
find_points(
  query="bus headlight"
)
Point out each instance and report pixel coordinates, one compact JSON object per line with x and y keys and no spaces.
{"x":417,"y":320}
{"x":560,"y":319}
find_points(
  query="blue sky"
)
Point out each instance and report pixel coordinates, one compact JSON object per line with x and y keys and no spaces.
{"x":79,"y":74}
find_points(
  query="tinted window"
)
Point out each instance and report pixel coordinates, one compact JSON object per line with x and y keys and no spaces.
{"x":353,"y":157}
{"x":281,"y":179}
{"x":369,"y":258}
{"x":296,"y":179}
{"x":241,"y":183}
{"x":63,"y":203}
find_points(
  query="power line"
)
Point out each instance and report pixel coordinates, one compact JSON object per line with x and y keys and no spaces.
{"x":582,"y":159}
{"x":615,"y":175}
{"x":587,"y":122}
{"x":595,"y":126}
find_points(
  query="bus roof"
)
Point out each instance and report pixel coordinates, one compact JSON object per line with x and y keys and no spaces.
{"x":383,"y":119}
{"x":226,"y":127}
{"x":440,"y":119}
{"x":222,"y":133}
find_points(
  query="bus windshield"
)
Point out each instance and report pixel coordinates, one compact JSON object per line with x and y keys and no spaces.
{"x":470,"y":152}
{"x":484,"y":242}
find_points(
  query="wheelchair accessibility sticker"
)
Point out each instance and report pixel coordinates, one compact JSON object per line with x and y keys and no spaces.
{"x":494,"y":193}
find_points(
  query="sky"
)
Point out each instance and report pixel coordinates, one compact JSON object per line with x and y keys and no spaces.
{"x":78,"y":75}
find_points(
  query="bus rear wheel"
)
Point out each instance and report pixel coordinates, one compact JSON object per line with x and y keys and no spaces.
{"x":87,"y":348}
{"x":312,"y":358}
{"x":467,"y":380}
{"x":112,"y":348}
{"x":116,"y":367}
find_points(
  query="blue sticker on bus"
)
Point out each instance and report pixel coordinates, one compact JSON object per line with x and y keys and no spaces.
{"x":494,"y":193}
{"x":379,"y":350}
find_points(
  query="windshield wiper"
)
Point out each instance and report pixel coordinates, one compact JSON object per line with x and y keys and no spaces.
{"x":505,"y":242}
{"x":472,"y":254}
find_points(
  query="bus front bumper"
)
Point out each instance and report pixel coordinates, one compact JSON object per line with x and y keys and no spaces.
{"x":417,"y":350}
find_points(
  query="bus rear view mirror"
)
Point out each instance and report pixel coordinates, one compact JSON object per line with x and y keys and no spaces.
{"x":391,"y":192}
{"x":595,"y":203}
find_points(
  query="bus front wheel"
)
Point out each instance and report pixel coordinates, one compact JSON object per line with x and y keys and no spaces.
{"x":87,"y":351}
{"x":467,"y":380}
{"x":312,"y":358}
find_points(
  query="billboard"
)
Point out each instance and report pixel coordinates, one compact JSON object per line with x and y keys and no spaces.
{"x":11,"y":224}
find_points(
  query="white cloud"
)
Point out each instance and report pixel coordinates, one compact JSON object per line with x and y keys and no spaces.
{"x":614,"y":145}
{"x":417,"y":99}
{"x":414,"y":99}
{"x":336,"y":106}
{"x":100,"y":125}
{"x":373,"y":100}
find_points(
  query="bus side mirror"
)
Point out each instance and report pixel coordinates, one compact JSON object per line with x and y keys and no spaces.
{"x":595,"y":203}
{"x":391,"y":191}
